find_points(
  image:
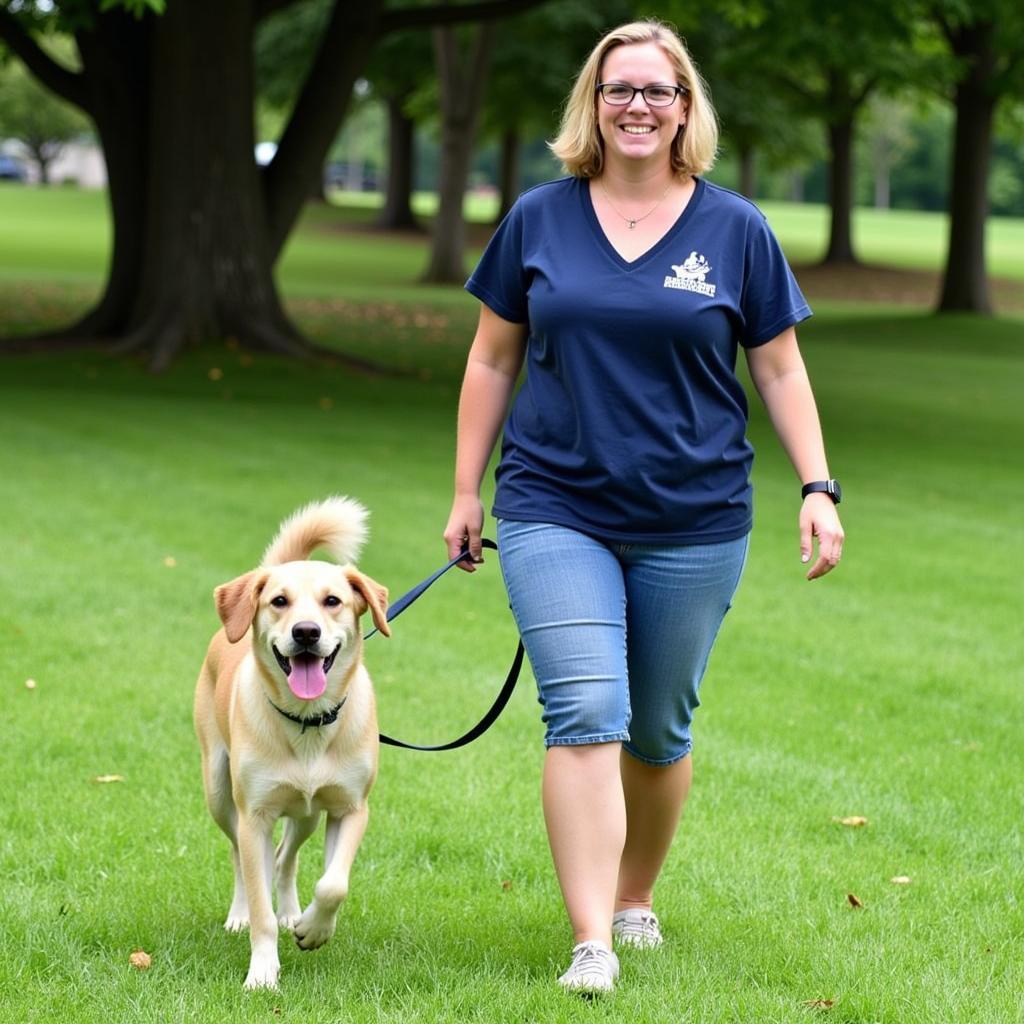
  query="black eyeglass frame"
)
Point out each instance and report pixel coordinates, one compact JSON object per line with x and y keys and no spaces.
{"x":680,"y":90}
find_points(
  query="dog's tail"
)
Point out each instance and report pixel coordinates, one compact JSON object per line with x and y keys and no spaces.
{"x":336,"y":524}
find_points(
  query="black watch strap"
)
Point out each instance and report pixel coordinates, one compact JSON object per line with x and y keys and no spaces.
{"x":829,"y":487}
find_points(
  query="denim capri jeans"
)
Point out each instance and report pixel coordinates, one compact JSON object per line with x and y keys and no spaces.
{"x":618,"y":635}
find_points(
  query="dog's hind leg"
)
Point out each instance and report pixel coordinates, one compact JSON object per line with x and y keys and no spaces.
{"x":343,"y":837}
{"x":296,"y":832}
{"x":217,"y":776}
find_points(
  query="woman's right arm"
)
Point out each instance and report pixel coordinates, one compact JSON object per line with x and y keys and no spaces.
{"x":495,"y":360}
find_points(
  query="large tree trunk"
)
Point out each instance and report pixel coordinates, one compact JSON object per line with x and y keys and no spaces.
{"x":965,"y":284}
{"x":840,"y":177}
{"x":207,"y":257}
{"x":508,"y":184}
{"x":197,"y":227}
{"x":461,"y":99}
{"x":397,"y":213}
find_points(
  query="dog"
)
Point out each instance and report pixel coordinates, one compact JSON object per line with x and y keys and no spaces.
{"x":287,"y":724}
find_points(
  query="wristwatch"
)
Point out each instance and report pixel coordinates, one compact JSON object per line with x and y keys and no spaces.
{"x":829,"y":487}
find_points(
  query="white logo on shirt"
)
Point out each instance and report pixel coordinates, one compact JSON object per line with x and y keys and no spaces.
{"x":690,"y":274}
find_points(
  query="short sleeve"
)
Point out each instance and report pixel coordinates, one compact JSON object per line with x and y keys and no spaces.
{"x":500,"y":280}
{"x":771,"y":299}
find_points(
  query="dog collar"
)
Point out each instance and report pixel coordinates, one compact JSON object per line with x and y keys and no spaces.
{"x":327,"y":718}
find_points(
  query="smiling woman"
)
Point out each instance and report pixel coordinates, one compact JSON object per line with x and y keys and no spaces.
{"x":623,"y":494}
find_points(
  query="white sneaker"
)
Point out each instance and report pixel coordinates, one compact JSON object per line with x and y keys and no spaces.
{"x":594,"y":969}
{"x":637,"y":927}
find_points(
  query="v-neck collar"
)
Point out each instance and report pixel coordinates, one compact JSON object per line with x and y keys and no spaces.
{"x":645,"y":257}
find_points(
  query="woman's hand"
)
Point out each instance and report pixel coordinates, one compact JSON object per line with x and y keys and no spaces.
{"x":465,"y":524}
{"x":819,"y":518}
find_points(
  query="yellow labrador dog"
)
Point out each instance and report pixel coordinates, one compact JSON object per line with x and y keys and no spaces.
{"x":286,"y":719}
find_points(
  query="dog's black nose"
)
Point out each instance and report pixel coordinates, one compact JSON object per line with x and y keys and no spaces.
{"x":306,"y":633}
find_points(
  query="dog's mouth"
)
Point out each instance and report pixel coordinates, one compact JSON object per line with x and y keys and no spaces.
{"x":306,"y":672}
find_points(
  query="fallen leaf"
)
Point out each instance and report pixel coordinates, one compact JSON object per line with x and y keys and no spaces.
{"x":856,"y":821}
{"x":820,"y":1004}
{"x":30,"y":684}
{"x":140,"y":960}
{"x":215,"y":373}
{"x":506,"y":885}
{"x":853,"y":901}
{"x":109,"y":778}
{"x":900,"y":880}
{"x":170,"y":561}
{"x":326,"y":403}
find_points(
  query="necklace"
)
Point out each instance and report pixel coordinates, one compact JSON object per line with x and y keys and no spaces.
{"x":633,"y":221}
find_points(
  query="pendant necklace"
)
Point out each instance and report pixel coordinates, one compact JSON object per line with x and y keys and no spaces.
{"x":633,"y":221}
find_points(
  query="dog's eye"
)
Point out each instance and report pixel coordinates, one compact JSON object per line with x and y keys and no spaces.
{"x":331,"y":601}
{"x":280,"y":601}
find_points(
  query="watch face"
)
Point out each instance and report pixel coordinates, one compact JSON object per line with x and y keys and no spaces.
{"x":836,"y":491}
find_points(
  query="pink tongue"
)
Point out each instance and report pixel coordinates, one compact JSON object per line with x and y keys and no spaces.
{"x":307,"y":679}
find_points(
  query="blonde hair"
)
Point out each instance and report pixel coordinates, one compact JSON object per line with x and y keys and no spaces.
{"x":579,"y":145}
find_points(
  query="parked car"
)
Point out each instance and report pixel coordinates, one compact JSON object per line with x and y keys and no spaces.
{"x":11,"y":170}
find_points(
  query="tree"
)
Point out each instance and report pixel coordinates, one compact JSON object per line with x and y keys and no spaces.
{"x":197,"y":224}
{"x":41,"y":122}
{"x":462,"y":76}
{"x":987,"y":39}
{"x":824,"y":60}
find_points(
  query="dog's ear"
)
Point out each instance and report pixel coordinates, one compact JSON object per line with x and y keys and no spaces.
{"x":370,"y":594}
{"x":236,"y":602}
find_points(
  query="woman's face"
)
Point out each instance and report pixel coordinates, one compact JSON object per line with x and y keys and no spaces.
{"x":637,"y":132}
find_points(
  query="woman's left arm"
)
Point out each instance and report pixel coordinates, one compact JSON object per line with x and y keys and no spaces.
{"x":779,"y":374}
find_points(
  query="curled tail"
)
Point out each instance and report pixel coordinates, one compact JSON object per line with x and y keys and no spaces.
{"x":336,"y":524}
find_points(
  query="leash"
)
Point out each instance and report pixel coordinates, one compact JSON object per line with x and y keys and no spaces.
{"x":507,"y":687}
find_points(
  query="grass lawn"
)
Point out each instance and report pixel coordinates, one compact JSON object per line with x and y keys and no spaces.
{"x":891,"y":690}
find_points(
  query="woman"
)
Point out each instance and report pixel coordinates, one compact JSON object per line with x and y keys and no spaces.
{"x":623,"y":499}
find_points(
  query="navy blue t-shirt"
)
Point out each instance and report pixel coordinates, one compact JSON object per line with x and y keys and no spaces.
{"x":630,"y":423}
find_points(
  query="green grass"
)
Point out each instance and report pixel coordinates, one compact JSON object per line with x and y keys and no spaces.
{"x":892,"y":689}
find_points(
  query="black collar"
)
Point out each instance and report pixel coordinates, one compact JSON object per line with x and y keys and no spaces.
{"x":327,"y":718}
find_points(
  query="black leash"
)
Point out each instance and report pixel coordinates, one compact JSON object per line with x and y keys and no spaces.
{"x":507,"y":687}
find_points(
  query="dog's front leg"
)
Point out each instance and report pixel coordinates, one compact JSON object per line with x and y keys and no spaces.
{"x":342,"y":840}
{"x":256,"y":852}
{"x":296,"y":832}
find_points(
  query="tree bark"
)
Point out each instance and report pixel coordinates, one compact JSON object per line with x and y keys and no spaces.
{"x":397,"y":213}
{"x":965,"y":282}
{"x":840,"y":177}
{"x":462,"y":91}
{"x":748,"y":171}
{"x":509,"y":171}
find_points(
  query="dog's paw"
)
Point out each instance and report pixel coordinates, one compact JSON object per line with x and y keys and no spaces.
{"x":288,"y":920}
{"x":313,"y":929}
{"x":236,"y":922}
{"x":263,"y":972}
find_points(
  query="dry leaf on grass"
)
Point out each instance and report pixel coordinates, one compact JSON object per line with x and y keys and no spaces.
{"x":109,"y":778}
{"x":855,"y":821}
{"x":820,"y":1004}
{"x":506,"y":885}
{"x":853,"y":901}
{"x":216,"y":373}
{"x":170,"y":561}
{"x":900,"y":880}
{"x":140,"y":960}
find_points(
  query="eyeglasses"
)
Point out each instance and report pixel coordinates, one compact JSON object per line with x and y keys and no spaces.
{"x":618,"y":94}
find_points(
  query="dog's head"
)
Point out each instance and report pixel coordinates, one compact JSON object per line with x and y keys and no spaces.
{"x":304,"y":618}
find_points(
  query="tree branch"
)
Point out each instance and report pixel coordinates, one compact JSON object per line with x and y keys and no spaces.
{"x":69,"y":85}
{"x":452,"y":14}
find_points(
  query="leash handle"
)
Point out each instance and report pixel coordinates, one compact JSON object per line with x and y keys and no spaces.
{"x":407,"y":599}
